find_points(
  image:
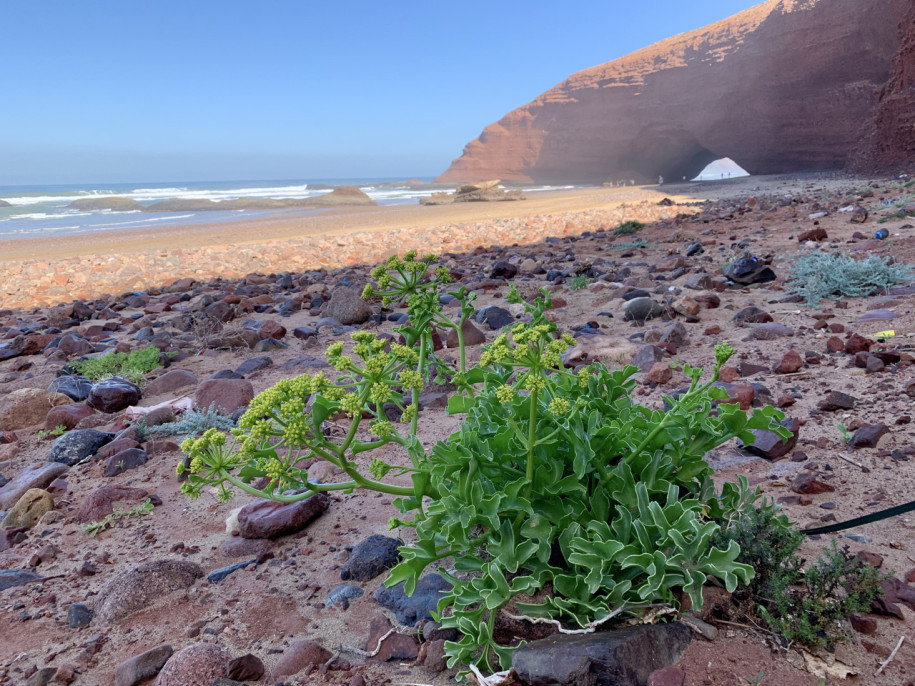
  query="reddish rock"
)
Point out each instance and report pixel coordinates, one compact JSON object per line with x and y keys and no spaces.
{"x":246,"y":668}
{"x":835,"y":345}
{"x":271,"y":329}
{"x":785,"y":400}
{"x":142,"y":585}
{"x":199,"y":664}
{"x":67,"y":415}
{"x":226,"y":395}
{"x":660,"y":373}
{"x":472,"y":335}
{"x":300,"y":655}
{"x":856,"y":343}
{"x":837,"y":400}
{"x":863,"y":624}
{"x":869,"y":435}
{"x":790,"y":363}
{"x":100,"y":503}
{"x":894,"y":591}
{"x":712,"y":330}
{"x":269,"y":519}
{"x":170,"y":382}
{"x":709,"y":301}
{"x":873,"y":559}
{"x":669,"y":676}
{"x":858,"y":215}
{"x":27,"y":407}
{"x":741,"y":394}
{"x":817,"y":234}
{"x":395,"y":647}
{"x":115,"y":447}
{"x":769,"y":446}
{"x":728,"y":375}
{"x":806,"y":482}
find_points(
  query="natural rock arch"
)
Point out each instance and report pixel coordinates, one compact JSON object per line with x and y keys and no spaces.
{"x":784,"y":86}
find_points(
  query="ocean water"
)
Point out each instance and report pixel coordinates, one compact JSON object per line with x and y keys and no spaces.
{"x":42,"y":211}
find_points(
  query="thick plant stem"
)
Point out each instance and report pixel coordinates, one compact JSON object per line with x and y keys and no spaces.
{"x":531,"y":444}
{"x":421,"y":368}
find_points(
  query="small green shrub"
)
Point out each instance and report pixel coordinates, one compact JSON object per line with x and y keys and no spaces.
{"x":637,"y":244}
{"x":192,"y":423}
{"x":133,"y":366}
{"x":58,"y":430}
{"x":819,"y":275}
{"x":579,"y":282}
{"x":809,"y":607}
{"x":628,"y":227}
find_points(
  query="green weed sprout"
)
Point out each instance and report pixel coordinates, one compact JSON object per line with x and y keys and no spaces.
{"x":133,"y":366}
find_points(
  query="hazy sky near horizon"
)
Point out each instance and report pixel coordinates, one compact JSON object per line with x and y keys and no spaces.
{"x":109,"y":91}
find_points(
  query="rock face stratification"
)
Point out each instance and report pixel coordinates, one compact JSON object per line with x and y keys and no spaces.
{"x":788,"y":85}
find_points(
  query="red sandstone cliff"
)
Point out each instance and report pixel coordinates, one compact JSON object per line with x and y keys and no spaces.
{"x":787,"y":85}
{"x":889,"y":141}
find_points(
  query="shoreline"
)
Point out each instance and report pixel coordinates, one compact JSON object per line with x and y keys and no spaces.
{"x":45,"y":271}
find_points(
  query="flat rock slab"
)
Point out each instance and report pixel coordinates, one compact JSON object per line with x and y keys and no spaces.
{"x":623,"y":657}
{"x":16,"y":577}
{"x":142,"y":585}
{"x":34,"y":476}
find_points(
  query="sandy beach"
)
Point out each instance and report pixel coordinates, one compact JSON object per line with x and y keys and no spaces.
{"x":44,"y":271}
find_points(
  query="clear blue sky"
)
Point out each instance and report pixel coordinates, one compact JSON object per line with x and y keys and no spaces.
{"x":113,"y":91}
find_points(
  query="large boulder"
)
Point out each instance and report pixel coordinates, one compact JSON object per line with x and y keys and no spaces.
{"x":27,"y":407}
{"x":33,"y":504}
{"x":142,"y":585}
{"x":199,"y":664}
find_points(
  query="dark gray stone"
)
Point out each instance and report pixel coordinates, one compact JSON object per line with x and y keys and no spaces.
{"x":79,"y":445}
{"x":124,"y":461}
{"x":370,"y":558}
{"x":79,"y":616}
{"x":255,"y":364}
{"x":342,"y":594}
{"x":141,"y":667}
{"x":642,"y":309}
{"x":869,"y":435}
{"x":495,"y":317}
{"x":675,"y":334}
{"x":768,"y":445}
{"x":268,"y":344}
{"x":75,"y":387}
{"x":16,"y":577}
{"x":113,"y":395}
{"x":503,"y":269}
{"x":347,"y":306}
{"x":410,"y":609}
{"x":304,"y":362}
{"x":748,"y":270}
{"x":646,"y":356}
{"x":751,"y":315}
{"x":837,"y":400}
{"x":623,"y":657}
{"x":218,"y":575}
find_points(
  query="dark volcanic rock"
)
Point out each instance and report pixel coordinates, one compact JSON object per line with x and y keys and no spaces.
{"x":370,"y":558}
{"x":16,"y":577}
{"x":503,"y":269}
{"x":642,"y":309}
{"x":769,"y":446}
{"x":410,"y":609}
{"x":76,"y":387}
{"x":646,"y":356}
{"x":495,"y":317}
{"x":246,"y":668}
{"x":113,"y":395}
{"x":76,"y":446}
{"x":124,"y":461}
{"x":837,"y":400}
{"x":622,"y":657}
{"x":748,"y":270}
{"x":78,"y":616}
{"x":218,"y":575}
{"x":139,"y":668}
{"x":751,"y":315}
{"x":269,"y":519}
{"x":868,"y":436}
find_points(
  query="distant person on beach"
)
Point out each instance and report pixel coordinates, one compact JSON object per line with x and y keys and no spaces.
{"x":660,"y":180}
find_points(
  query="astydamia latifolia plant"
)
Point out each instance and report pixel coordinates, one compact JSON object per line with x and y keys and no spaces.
{"x":559,"y":494}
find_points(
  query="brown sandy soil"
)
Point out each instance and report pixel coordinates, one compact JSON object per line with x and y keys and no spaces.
{"x":265,"y":608}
